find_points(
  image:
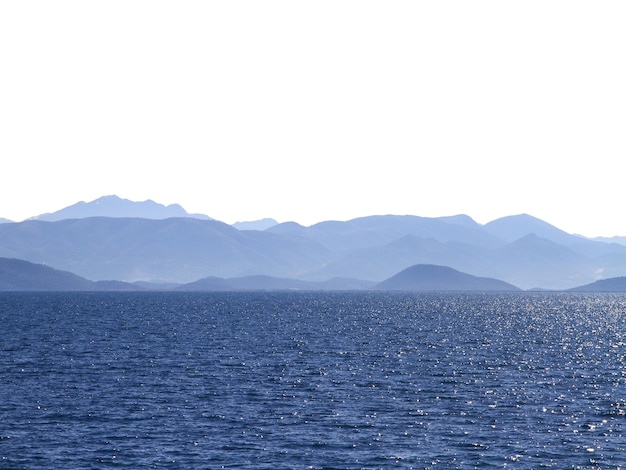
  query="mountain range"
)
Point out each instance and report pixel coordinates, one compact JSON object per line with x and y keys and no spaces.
{"x":114,"y":206}
{"x":432,"y":278}
{"x":18,"y":276}
{"x":141,"y":241}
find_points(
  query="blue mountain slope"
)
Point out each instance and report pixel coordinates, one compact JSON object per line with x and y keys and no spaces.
{"x":367,"y":232}
{"x":20,"y":275}
{"x":262,"y":224}
{"x":169,"y":250}
{"x":514,"y":227}
{"x":184,"y":249}
{"x":379,"y":262}
{"x":432,"y":278}
{"x":113,"y":206}
{"x":532,"y":261}
{"x":615,"y":284}
{"x":270,"y":283}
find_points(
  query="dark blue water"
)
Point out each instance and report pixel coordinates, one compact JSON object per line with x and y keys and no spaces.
{"x":312,"y":380}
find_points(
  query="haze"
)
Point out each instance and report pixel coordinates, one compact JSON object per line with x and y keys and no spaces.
{"x":311,"y":111}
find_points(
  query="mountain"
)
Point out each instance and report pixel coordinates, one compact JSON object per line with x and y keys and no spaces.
{"x":262,"y":224}
{"x":5,"y":221}
{"x":169,"y":250}
{"x":113,"y":206}
{"x":615,"y":284}
{"x":209,"y":283}
{"x":381,"y":261}
{"x":620,"y":240}
{"x":19,"y":275}
{"x":269,"y":283}
{"x":377,"y":230}
{"x":432,"y":278}
{"x":514,"y":227}
{"x":521,"y":250}
{"x":532,"y":261}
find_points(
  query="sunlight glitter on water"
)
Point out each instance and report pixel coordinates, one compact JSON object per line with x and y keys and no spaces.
{"x":310,"y":379}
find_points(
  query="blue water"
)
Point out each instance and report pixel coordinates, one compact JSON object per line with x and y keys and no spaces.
{"x":312,"y":380}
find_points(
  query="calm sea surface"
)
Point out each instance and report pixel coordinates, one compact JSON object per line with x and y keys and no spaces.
{"x":312,"y":380}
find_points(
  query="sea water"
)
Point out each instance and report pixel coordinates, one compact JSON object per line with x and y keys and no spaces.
{"x":312,"y":380}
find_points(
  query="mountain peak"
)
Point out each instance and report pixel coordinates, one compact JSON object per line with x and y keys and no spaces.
{"x":114,"y":206}
{"x":430,"y":277}
{"x":262,"y":224}
{"x":514,"y":227}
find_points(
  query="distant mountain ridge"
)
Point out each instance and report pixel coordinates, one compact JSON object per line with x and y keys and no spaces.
{"x":432,"y":278}
{"x":262,"y":283}
{"x":19,"y":275}
{"x":620,"y":240}
{"x":262,"y":224}
{"x":615,"y":284}
{"x":520,"y":250}
{"x":514,"y":227}
{"x":114,"y":206}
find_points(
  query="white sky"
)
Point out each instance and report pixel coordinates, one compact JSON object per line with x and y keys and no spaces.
{"x":318,"y":110}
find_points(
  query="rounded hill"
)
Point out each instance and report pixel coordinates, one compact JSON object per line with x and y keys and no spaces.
{"x":433,"y":278}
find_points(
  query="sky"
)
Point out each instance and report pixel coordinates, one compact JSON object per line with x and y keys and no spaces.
{"x":318,"y":110}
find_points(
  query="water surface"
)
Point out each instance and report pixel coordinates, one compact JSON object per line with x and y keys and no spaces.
{"x":318,"y":380}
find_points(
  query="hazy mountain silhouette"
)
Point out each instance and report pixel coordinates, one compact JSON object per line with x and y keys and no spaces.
{"x":113,"y":206}
{"x":209,"y":283}
{"x":5,"y":221}
{"x":620,"y":240}
{"x":19,"y":275}
{"x":521,"y":250}
{"x":546,"y":263}
{"x":615,"y":284}
{"x":368,"y":232}
{"x":432,"y":278}
{"x":514,"y":227}
{"x":382,"y":261}
{"x":262,"y":224}
{"x":169,"y":250}
{"x":269,"y":283}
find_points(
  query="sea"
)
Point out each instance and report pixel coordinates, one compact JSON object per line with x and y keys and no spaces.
{"x":319,"y":380}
